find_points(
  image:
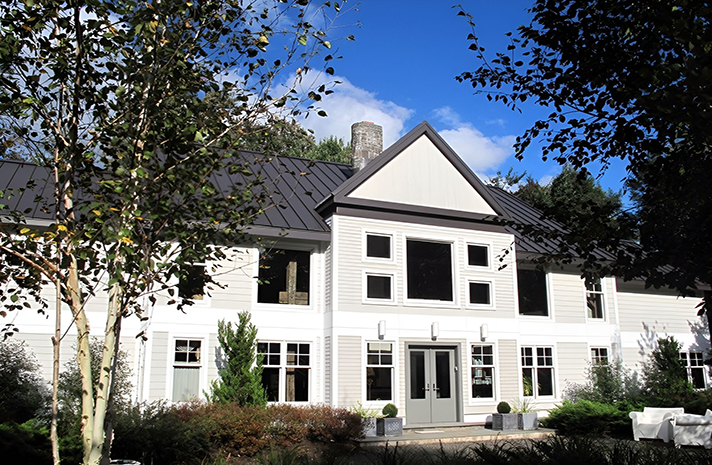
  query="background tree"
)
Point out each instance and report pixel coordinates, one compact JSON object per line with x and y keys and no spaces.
{"x":241,"y":375}
{"x":628,"y":80}
{"x":331,"y":148}
{"x":115,"y":91}
{"x":23,"y":392}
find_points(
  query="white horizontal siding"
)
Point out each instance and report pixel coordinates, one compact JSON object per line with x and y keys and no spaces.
{"x":350,"y":371}
{"x":572,"y":361}
{"x":568,"y":297}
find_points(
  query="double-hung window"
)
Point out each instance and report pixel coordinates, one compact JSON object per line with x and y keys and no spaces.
{"x":482,"y":371}
{"x":537,"y":371}
{"x":187,"y":362}
{"x":599,"y":355}
{"x":379,"y":371}
{"x":285,"y":370}
{"x":594,"y":299}
{"x":693,"y":361}
{"x":429,"y":270}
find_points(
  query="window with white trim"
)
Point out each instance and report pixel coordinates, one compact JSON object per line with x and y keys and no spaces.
{"x":480,"y":293}
{"x":695,"y":365}
{"x":379,"y":286}
{"x":477,"y":255}
{"x":285,"y":370}
{"x":187,"y":362}
{"x":429,"y":270}
{"x":482,"y":371}
{"x":284,"y":277}
{"x":379,"y":371}
{"x":379,"y":246}
{"x":599,"y":355}
{"x":594,"y":299}
{"x":537,"y":371}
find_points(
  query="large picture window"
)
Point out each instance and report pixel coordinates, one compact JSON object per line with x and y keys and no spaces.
{"x":537,"y":371}
{"x":285,"y":376}
{"x":594,"y":299}
{"x":379,"y":371}
{"x":695,"y":366}
{"x":186,"y":369}
{"x":284,"y":277}
{"x":429,"y":268}
{"x":482,"y":371}
{"x":532,"y":293}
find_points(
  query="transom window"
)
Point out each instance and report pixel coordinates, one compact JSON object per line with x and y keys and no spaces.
{"x":378,"y":246}
{"x":695,"y":365}
{"x":284,"y":277}
{"x":480,"y":293}
{"x":477,"y":255}
{"x":599,"y":355}
{"x":285,"y":376}
{"x":186,"y":369}
{"x":429,"y":268}
{"x":537,"y":371}
{"x":532,"y":292}
{"x":379,"y":287}
{"x":482,"y":371}
{"x":594,"y":299}
{"x":379,"y":371}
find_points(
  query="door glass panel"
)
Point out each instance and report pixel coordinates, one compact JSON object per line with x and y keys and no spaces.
{"x":546,"y":381}
{"x":442,"y":374}
{"x":417,"y":375}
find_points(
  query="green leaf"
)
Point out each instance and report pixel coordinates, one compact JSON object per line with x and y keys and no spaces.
{"x":302,"y":40}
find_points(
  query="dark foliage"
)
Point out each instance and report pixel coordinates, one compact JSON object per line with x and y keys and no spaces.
{"x":26,"y":443}
{"x":23,"y":393}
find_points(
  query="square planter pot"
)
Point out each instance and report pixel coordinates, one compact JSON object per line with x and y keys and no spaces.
{"x":369,"y":427}
{"x":389,"y":426}
{"x":505,"y":421}
{"x":528,"y":421}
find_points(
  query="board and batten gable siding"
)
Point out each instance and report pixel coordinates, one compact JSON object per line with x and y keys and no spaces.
{"x":328,"y":274}
{"x":158,"y":375}
{"x":352,"y":267}
{"x":572,"y":360}
{"x":421,"y":175}
{"x":508,"y":369}
{"x":568,"y":297}
{"x":350,"y":371}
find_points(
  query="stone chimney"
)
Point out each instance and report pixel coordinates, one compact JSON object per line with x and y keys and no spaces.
{"x":366,"y":143}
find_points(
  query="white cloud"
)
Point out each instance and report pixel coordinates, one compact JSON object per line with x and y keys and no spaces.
{"x":350,"y":104}
{"x":481,"y":153}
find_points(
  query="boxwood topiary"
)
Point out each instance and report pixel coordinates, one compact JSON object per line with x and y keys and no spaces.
{"x":503,"y":407}
{"x":390,"y":411}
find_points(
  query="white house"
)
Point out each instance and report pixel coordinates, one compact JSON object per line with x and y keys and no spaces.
{"x":396,"y":284}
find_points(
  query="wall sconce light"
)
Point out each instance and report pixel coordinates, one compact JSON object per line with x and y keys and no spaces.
{"x":435,"y":330}
{"x":484,"y":332}
{"x":381,"y":329}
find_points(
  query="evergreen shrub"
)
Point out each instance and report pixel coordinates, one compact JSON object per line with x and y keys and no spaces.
{"x":585,"y":417}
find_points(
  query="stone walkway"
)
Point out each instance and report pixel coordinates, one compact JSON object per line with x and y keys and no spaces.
{"x":451,"y":435}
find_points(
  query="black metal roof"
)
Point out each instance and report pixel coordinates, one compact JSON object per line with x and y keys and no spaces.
{"x":298,"y":187}
{"x":295,"y":184}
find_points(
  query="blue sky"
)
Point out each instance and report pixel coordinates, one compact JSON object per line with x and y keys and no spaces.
{"x":401,"y":70}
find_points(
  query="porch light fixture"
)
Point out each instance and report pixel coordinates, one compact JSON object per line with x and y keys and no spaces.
{"x":484,"y":332}
{"x":435,"y":330}
{"x":381,"y":329}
